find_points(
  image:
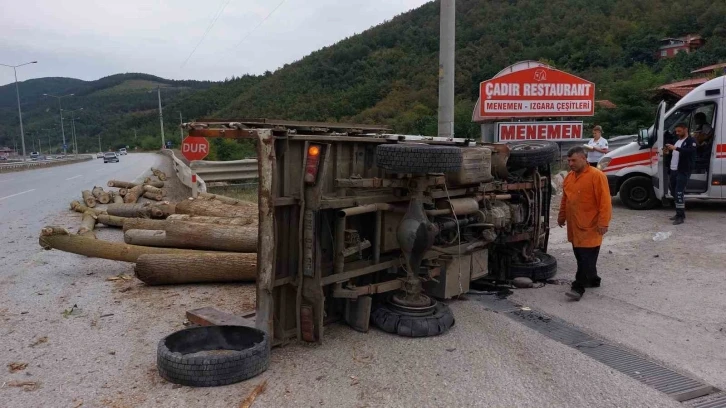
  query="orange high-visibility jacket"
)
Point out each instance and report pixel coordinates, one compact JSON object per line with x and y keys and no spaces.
{"x":586,"y":205}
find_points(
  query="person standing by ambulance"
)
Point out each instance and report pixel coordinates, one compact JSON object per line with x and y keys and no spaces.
{"x":586,"y":208}
{"x":597,"y":146}
{"x":683,"y":158}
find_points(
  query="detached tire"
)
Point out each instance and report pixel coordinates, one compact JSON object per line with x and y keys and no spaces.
{"x":532,"y":153}
{"x":545,"y":268}
{"x":391,"y":321}
{"x":637,"y":193}
{"x":211,"y":356}
{"x":418,"y":158}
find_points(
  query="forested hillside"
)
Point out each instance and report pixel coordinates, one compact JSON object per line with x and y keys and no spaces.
{"x":388,"y":74}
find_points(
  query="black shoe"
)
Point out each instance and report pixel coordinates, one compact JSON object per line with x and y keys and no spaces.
{"x":678,"y":221}
{"x":673,"y":218}
{"x":595,"y":283}
{"x":575,"y":295}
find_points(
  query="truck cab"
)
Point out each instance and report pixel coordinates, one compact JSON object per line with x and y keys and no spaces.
{"x":639,"y":170}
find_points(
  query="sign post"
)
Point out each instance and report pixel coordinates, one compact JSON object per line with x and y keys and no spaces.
{"x":195,"y":148}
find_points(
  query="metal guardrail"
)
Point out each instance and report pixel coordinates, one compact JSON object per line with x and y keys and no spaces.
{"x":225,"y":170}
{"x":613,"y":143}
{"x":19,"y":165}
{"x":184,"y":173}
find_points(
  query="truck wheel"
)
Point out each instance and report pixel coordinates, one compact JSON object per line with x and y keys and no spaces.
{"x":637,"y":193}
{"x":544,"y":268}
{"x":210,"y":356}
{"x":418,"y":158}
{"x":393,"y":321}
{"x":532,"y":153}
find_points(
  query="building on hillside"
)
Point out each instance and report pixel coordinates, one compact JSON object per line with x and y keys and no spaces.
{"x":670,"y":47}
{"x":710,"y":71}
{"x":6,"y":151}
{"x":674,"y":91}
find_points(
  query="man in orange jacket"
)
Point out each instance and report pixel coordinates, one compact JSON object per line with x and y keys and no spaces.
{"x":586,"y":209}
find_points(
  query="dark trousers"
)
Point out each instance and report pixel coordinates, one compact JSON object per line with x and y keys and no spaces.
{"x":586,"y":268}
{"x":678,"y":181}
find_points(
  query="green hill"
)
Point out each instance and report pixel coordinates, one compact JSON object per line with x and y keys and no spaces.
{"x":388,"y":74}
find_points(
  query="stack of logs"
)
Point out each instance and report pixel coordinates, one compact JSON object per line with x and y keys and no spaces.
{"x":208,"y":239}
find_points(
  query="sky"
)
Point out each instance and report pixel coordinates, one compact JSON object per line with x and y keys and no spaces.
{"x":92,"y":39}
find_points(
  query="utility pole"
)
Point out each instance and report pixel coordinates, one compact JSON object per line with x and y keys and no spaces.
{"x":99,"y":143}
{"x":161,"y":117}
{"x":60,"y":110}
{"x":181,"y":129}
{"x":17,"y":94}
{"x":447,"y":46}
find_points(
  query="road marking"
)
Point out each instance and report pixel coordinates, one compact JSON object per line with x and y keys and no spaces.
{"x":140,"y":175}
{"x":71,"y":178}
{"x":16,"y":194}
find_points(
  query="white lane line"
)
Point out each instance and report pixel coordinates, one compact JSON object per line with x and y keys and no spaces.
{"x":16,"y":194}
{"x":71,"y":178}
{"x":140,"y":175}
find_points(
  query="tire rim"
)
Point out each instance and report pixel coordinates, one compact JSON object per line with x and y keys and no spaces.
{"x":639,"y":194}
{"x":399,"y":304}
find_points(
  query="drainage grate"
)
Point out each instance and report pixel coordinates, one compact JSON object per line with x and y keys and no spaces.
{"x":675,"y":385}
{"x":713,"y":401}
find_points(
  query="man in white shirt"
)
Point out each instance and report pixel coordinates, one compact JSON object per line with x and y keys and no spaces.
{"x":597,"y":146}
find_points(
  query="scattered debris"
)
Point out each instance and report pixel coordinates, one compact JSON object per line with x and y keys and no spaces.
{"x":68,"y":312}
{"x":451,"y":350}
{"x":354,"y":380}
{"x":41,"y":340}
{"x":15,"y":367}
{"x":27,"y":385}
{"x":259,"y":389}
{"x":118,"y":277}
{"x":522,"y":283}
{"x":662,"y":236}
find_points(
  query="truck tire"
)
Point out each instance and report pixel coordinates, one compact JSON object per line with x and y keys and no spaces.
{"x":234,"y":354}
{"x":637,"y":193}
{"x":391,"y":321}
{"x":532,"y":153}
{"x":544,"y":269}
{"x":418,"y":158}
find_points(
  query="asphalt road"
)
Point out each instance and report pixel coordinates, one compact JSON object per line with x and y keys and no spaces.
{"x":88,"y":332}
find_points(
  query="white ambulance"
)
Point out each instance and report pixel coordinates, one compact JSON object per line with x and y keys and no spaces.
{"x":638,"y":171}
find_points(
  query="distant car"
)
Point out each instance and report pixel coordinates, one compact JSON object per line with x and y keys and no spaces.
{"x":122,"y":151}
{"x":99,"y":155}
{"x":34,"y":155}
{"x":110,"y":157}
{"x":3,"y":157}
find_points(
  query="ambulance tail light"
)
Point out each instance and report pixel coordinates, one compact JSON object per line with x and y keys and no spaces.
{"x":312,"y":163}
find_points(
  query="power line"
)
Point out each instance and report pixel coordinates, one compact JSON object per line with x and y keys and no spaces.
{"x":209,"y":28}
{"x":259,"y":24}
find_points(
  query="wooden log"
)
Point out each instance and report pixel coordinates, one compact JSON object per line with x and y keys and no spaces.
{"x":151,"y":189}
{"x":214,"y":208}
{"x":88,"y":198}
{"x":147,"y":180}
{"x":157,"y":184}
{"x":226,"y":200}
{"x":100,"y":195}
{"x":121,"y":184}
{"x":153,"y":196}
{"x":111,"y":220}
{"x":159,"y":174}
{"x":88,"y":223}
{"x":59,"y":238}
{"x":133,"y":194}
{"x":196,"y":236}
{"x":144,"y":224}
{"x":117,"y":198}
{"x":137,"y":210}
{"x":248,"y":220}
{"x":123,"y":191}
{"x":78,"y":207}
{"x":196,"y":268}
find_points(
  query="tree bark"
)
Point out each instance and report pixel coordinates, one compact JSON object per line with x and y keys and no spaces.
{"x":151,"y":189}
{"x":226,"y":200}
{"x":121,"y":184}
{"x":78,"y":207}
{"x":140,"y":210}
{"x":59,"y":238}
{"x":88,"y":198}
{"x":248,"y":220}
{"x":133,"y":194}
{"x":100,"y":195}
{"x":196,"y":236}
{"x":214,"y":208}
{"x":153,"y":196}
{"x":196,"y":268}
{"x":157,"y":184}
{"x":111,"y":220}
{"x":117,"y":198}
{"x":88,"y":223}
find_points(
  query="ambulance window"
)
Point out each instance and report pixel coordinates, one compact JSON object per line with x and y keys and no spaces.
{"x":686,"y":114}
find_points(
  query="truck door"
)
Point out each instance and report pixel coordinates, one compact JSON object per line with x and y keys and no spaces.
{"x":660,"y":181}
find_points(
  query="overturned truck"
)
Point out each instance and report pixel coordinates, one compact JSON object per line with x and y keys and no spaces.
{"x":360,"y":225}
